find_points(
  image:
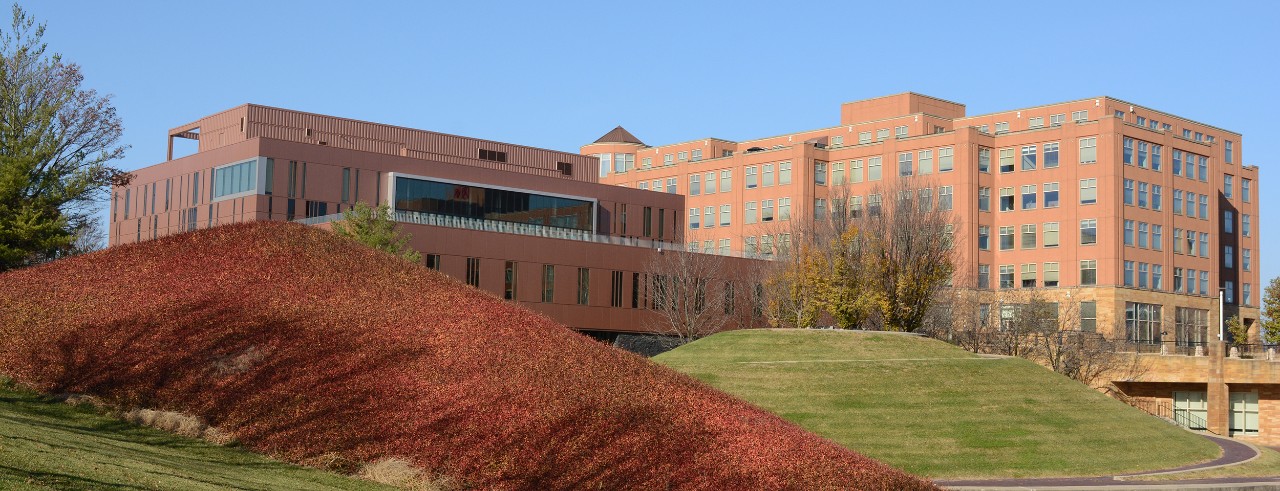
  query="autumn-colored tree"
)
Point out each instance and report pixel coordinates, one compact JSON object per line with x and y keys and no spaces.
{"x":56,"y":143}
{"x":374,"y":227}
{"x":849,"y":296}
{"x":1271,"y":313}
{"x":795,"y":285}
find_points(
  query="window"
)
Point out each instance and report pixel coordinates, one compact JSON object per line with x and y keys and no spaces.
{"x":473,"y":271}
{"x":926,"y":199}
{"x":1088,"y":191}
{"x":724,"y":215}
{"x":1177,"y":202}
{"x":1229,"y":293}
{"x":1006,"y":238}
{"x":984,"y":276}
{"x":1120,"y":114}
{"x":864,"y":137}
{"x":1006,"y":199}
{"x":1156,"y":197}
{"x":984,"y":199}
{"x":1089,"y":272}
{"x":784,"y":208}
{"x":1029,"y":275}
{"x":819,"y":209}
{"x":1142,"y":322}
{"x":1002,"y":127}
{"x":873,"y":205}
{"x":1128,"y":273}
{"x":1202,"y":168}
{"x":433,"y":262}
{"x":509,"y":281}
{"x":584,"y":286}
{"x":820,"y":173}
{"x":1128,"y":192}
{"x":1156,"y":238}
{"x":195,"y":190}
{"x":1050,"y":194}
{"x":1037,"y":122}
{"x":750,"y":244}
{"x":1247,"y":294}
{"x":695,"y":184}
{"x":1177,"y":280}
{"x":944,"y":198}
{"x":1228,"y":221}
{"x":709,"y":217}
{"x":695,"y":218}
{"x":784,"y":173}
{"x":984,"y":238}
{"x":1244,"y":413}
{"x":855,"y":207}
{"x":1128,"y":233}
{"x":726,"y":180}
{"x":1177,"y":241}
{"x":752,"y":181}
{"x":766,"y":176}
{"x":1128,"y":151}
{"x":1156,"y":151}
{"x":1078,"y":116}
{"x":837,"y":173}
{"x":668,"y":159}
{"x":1088,"y":150}
{"x":1089,"y":316}
{"x":984,"y":159}
{"x":1029,"y":236}
{"x":493,"y":155}
{"x":643,"y":185}
{"x":1029,"y":157}
{"x":766,"y":210}
{"x":1246,"y":228}
{"x":882,"y":134}
{"x":873,"y":169}
{"x":710,"y":183}
{"x":1191,"y":242}
{"x":1191,"y":204}
{"x":1142,"y":275}
{"x":750,"y":212}
{"x":1204,"y":206}
{"x":1051,"y":234}
{"x":1246,"y":259}
{"x":926,"y":162}
{"x":697,"y":155}
{"x":1050,"y":274}
{"x":945,"y":159}
{"x":646,"y":163}
{"x":724,"y":247}
{"x":1057,"y":119}
{"x":1228,"y":257}
{"x":1177,"y":162}
{"x":904,"y":164}
{"x":1089,"y":231}
{"x":1142,"y":121}
{"x":1204,"y":245}
{"x":1227,"y":185}
{"x":1029,"y":197}
{"x":1006,"y":160}
{"x":671,"y":185}
{"x":1143,"y":161}
{"x":1244,"y":191}
{"x":1204,"y":282}
{"x":1051,"y":155}
{"x":1142,"y":194}
{"x":900,"y":132}
{"x":855,"y":171}
{"x":615,"y":290}
{"x":1006,"y":276}
{"x":682,"y":156}
{"x":837,"y":141}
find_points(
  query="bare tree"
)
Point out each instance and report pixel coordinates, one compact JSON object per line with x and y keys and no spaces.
{"x":693,"y":294}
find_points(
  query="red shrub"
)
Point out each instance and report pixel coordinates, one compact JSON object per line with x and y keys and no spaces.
{"x":303,"y":344}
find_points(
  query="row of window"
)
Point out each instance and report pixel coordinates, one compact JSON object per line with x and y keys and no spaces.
{"x":1144,"y":235}
{"x":707,"y":217}
{"x":1008,"y":201}
{"x":706,"y":183}
{"x":1011,"y":277}
{"x":1029,"y":236}
{"x":763,"y":175}
{"x":1037,"y":122}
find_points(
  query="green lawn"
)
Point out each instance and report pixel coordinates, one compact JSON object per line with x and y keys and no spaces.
{"x":935,"y":410}
{"x":49,"y":445}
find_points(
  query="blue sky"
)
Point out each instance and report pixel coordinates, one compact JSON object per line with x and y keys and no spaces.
{"x":559,"y":75}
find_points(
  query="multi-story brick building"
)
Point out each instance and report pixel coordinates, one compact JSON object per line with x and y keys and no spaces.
{"x":1142,"y":216}
{"x":527,"y":224}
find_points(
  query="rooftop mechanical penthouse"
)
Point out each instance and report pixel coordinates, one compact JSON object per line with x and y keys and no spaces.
{"x":1142,"y":215}
{"x":527,"y":224}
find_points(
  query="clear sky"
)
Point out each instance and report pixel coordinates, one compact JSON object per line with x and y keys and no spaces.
{"x":558,"y":74}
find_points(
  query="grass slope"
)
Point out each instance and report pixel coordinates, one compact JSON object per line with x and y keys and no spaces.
{"x":302,"y":343}
{"x":50,"y":445}
{"x":936,"y":410}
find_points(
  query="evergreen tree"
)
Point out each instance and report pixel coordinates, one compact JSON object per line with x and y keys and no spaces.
{"x":375,"y":228}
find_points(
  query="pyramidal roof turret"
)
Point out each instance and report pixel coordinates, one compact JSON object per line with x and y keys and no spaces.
{"x":619,"y":135}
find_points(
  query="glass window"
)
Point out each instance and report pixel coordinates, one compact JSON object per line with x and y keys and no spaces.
{"x":1128,"y":233}
{"x":1142,"y":194}
{"x":1050,"y":195}
{"x":900,"y":132}
{"x":1202,"y":168}
{"x":864,"y":137}
{"x":1246,"y":228}
{"x":476,"y":202}
{"x":784,"y":208}
{"x":1089,"y":316}
{"x":1006,"y":276}
{"x":1204,"y":206}
{"x":945,"y":159}
{"x":984,"y":159}
{"x":820,"y":173}
{"x":1029,"y":157}
{"x":709,"y":217}
{"x":1089,"y":231}
{"x":1156,"y":151}
{"x":752,"y":181}
{"x":837,"y":173}
{"x":1156,"y":198}
{"x":1204,"y":245}
{"x":1006,"y":199}
{"x":1088,"y":191}
{"x":926,"y":162}
{"x":1128,"y":151}
{"x":766,"y":175}
{"x":1029,"y":197}
{"x":984,"y":238}
{"x":1029,"y":236}
{"x":1229,"y":156}
{"x":1051,"y":234}
{"x":750,"y":212}
{"x":925,"y":199}
{"x":1036,"y":122}
{"x":1143,"y":234}
{"x":695,"y":184}
{"x":1128,"y":192}
{"x":724,"y":215}
{"x":1177,"y":162}
{"x":1029,"y":275}
{"x":944,"y":198}
{"x":882,"y":134}
{"x":695,"y":218}
{"x":1051,"y":155}
{"x":1143,"y":160}
{"x":784,"y":173}
{"x":1228,"y":221}
{"x":1244,"y":190}
{"x":1050,"y":274}
{"x":855,"y":171}
{"x":1204,"y":282}
{"x":1128,"y":273}
{"x":710,"y":183}
{"x":1089,"y":272}
{"x":584,"y":286}
{"x":766,"y":210}
{"x":1246,"y":259}
{"x":1156,"y":237}
{"x":548,"y":283}
{"x":1002,"y":127}
{"x":1228,"y":183}
{"x":1078,"y":116}
{"x":1142,"y":322}
{"x":984,"y":199}
{"x":873,"y":169}
{"x":1006,"y":238}
{"x":1006,"y":160}
{"x":1088,"y":150}
{"x":904,"y":164}
{"x":235,"y":178}
{"x":1228,"y":257}
{"x":984,"y":276}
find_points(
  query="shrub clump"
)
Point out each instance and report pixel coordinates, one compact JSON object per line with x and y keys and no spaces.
{"x":313,"y":348}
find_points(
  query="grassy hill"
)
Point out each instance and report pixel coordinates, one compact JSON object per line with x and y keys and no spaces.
{"x":936,"y":410}
{"x":302,"y":343}
{"x":50,"y":445}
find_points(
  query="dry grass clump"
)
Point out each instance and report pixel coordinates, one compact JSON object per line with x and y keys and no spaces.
{"x":178,"y":423}
{"x":80,"y":399}
{"x":402,"y":474}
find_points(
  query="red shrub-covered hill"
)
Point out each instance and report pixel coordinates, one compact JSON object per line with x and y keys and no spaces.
{"x":304,"y":343}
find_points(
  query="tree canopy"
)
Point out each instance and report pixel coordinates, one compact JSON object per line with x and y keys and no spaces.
{"x":57,"y":141}
{"x":374,"y":227}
